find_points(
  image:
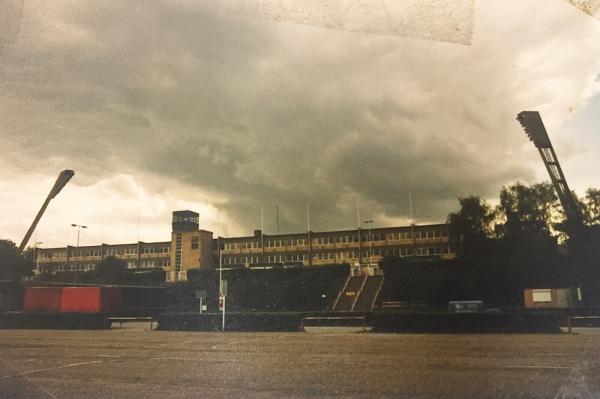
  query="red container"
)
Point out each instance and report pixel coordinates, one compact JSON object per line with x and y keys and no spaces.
{"x":42,"y":299}
{"x":90,"y":300}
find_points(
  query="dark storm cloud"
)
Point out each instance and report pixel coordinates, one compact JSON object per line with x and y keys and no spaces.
{"x":266,"y":113}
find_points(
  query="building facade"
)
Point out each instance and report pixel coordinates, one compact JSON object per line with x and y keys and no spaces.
{"x":193,"y":248}
{"x":140,"y":255}
{"x":346,"y":246}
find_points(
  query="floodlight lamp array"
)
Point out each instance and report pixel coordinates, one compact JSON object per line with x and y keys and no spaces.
{"x":534,"y":128}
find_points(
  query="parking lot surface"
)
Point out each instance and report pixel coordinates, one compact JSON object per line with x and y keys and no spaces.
{"x":136,"y":362}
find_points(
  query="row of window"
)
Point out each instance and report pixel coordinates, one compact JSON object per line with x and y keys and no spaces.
{"x":234,"y":260}
{"x":149,"y":263}
{"x":343,"y":255}
{"x":242,"y":245}
{"x":179,"y":219}
{"x":340,"y":239}
{"x":51,"y":255}
{"x":107,"y":252}
{"x":156,"y":250}
{"x":79,"y":267}
{"x":144,"y":264}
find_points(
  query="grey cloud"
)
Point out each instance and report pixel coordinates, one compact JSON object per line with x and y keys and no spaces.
{"x":10,"y":20}
{"x":265,"y":113}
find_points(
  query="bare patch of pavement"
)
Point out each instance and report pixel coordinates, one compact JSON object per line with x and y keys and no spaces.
{"x":136,"y":362}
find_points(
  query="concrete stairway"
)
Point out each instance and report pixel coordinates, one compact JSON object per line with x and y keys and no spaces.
{"x":347,"y":298}
{"x":368,"y":294}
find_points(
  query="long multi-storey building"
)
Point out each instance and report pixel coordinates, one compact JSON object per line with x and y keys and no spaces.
{"x":193,"y":248}
{"x":347,"y":246}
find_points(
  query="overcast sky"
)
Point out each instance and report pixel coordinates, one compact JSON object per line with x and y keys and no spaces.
{"x":203,"y":105}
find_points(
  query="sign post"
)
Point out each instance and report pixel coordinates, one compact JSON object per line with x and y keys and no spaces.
{"x":222,"y":301}
{"x":201,"y":296}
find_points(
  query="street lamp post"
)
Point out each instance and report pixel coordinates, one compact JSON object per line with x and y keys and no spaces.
{"x":79,"y":227}
{"x":370,"y":223}
{"x":62,"y":180}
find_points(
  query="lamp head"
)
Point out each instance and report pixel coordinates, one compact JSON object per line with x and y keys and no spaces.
{"x":61,"y":181}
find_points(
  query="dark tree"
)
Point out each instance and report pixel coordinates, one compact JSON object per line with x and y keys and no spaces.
{"x":528,"y":210}
{"x":111,"y":270}
{"x":471,"y":225}
{"x":28,"y":257}
{"x":591,"y":208}
{"x":13,"y":265}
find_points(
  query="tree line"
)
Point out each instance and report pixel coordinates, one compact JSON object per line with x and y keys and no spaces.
{"x":522,"y":242}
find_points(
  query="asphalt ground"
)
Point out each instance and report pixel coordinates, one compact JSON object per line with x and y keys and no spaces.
{"x":135,"y":362}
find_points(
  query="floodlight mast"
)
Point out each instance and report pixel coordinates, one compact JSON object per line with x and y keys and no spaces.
{"x":61,"y":181}
{"x":535,"y":130}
